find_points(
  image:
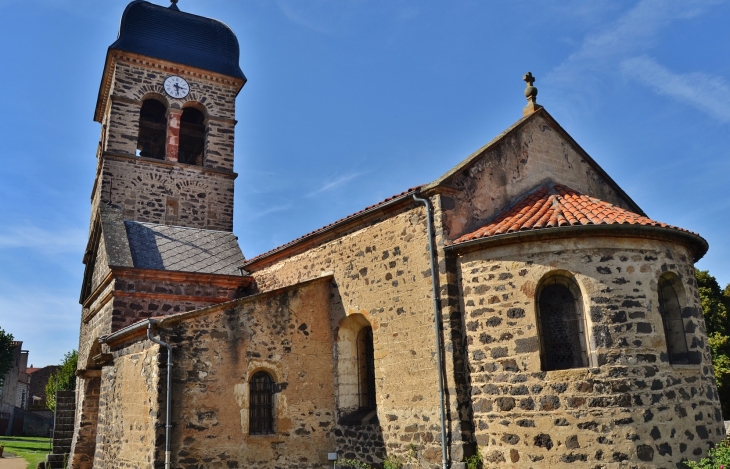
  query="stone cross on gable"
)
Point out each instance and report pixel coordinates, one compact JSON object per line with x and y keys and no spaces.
{"x":530,"y":94}
{"x":529,"y":78}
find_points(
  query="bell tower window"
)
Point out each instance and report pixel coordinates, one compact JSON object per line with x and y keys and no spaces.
{"x":152,"y":130}
{"x":192,"y":137}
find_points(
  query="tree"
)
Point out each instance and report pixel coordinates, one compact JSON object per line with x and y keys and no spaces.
{"x":62,"y":380}
{"x":715,"y":306}
{"x":6,"y":354}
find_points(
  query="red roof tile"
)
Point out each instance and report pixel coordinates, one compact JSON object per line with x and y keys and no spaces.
{"x":331,"y":225}
{"x":552,"y":206}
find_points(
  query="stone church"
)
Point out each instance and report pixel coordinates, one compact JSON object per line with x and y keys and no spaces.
{"x":521,"y":305}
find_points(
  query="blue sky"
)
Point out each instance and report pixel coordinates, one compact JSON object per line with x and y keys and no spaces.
{"x":351,"y":101}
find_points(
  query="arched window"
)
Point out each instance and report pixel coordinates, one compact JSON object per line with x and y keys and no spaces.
{"x":366,"y":368}
{"x":152,"y":129}
{"x":261,"y":409}
{"x":562,"y":331}
{"x":192,"y":137}
{"x":671,"y":313}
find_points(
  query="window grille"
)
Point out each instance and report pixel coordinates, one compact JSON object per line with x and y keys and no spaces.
{"x":261,"y":409}
{"x":563,"y":343}
{"x":671,"y":313}
{"x":366,"y":368}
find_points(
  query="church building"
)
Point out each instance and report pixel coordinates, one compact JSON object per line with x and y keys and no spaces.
{"x":521,"y":306}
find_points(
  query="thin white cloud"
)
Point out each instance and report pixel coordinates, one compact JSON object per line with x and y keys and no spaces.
{"x":270,"y":210}
{"x":294,"y":11}
{"x":710,"y":94}
{"x":340,"y":181}
{"x":32,"y":237}
{"x":634,"y":32}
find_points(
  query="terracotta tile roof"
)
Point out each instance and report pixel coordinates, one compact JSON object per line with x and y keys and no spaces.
{"x":552,"y":206}
{"x":331,"y":225}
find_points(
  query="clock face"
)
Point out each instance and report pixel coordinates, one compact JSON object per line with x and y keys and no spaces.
{"x":176,"y":87}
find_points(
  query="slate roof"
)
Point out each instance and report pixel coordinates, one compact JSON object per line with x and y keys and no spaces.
{"x":555,"y":205}
{"x":181,"y":249}
{"x":169,"y":34}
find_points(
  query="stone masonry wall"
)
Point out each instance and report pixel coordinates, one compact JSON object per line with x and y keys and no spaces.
{"x":166,"y":191}
{"x":135,"y":81}
{"x":631,"y":408}
{"x":129,"y":430}
{"x":382,"y":272}
{"x":287,"y":335}
{"x":515,"y":165}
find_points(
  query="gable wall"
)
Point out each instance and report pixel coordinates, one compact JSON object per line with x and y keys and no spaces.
{"x":518,"y":163}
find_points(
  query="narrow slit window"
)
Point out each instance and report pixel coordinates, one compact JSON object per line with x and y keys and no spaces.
{"x":261,"y":410}
{"x":562,"y":332}
{"x":192,"y":137}
{"x":152,"y":130}
{"x":671,"y":313}
{"x":366,"y":368}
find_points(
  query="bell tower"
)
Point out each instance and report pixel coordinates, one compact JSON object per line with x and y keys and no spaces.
{"x":167,"y":108}
{"x":161,"y":239}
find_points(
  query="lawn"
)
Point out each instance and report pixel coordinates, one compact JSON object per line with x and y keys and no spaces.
{"x":32,"y":449}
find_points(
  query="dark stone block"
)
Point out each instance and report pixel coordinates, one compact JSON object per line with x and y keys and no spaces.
{"x":510,"y":439}
{"x":664,"y":449}
{"x":645,"y":453}
{"x":543,"y":440}
{"x":702,"y":431}
{"x":494,"y":321}
{"x":525,"y":423}
{"x":618,"y":457}
{"x":655,"y":433}
{"x":485,"y":338}
{"x":505,"y":403}
{"x":643,"y":327}
{"x":515,"y":313}
{"x":572,"y":442}
{"x":572,"y":457}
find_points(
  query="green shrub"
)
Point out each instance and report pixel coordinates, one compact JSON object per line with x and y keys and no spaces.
{"x":717,"y":458}
{"x":349,"y":463}
{"x":392,"y":462}
{"x":474,"y":461}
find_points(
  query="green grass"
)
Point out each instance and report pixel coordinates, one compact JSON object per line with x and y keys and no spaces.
{"x":32,"y":449}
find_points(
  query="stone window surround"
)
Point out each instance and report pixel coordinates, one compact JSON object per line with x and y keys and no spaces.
{"x":173,"y":116}
{"x":574,"y":284}
{"x":243,"y":399}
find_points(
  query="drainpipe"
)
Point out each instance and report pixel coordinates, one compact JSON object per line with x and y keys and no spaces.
{"x":169,"y":391}
{"x":437,"y":322}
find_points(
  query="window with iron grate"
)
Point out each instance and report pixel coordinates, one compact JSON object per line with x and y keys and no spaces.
{"x":671,"y":313}
{"x":561,"y":323}
{"x":261,"y":409}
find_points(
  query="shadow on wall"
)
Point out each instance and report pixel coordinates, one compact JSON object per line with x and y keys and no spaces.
{"x":358,"y":434}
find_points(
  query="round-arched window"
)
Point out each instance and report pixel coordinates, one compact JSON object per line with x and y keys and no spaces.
{"x":562,"y":331}
{"x":261,"y":409}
